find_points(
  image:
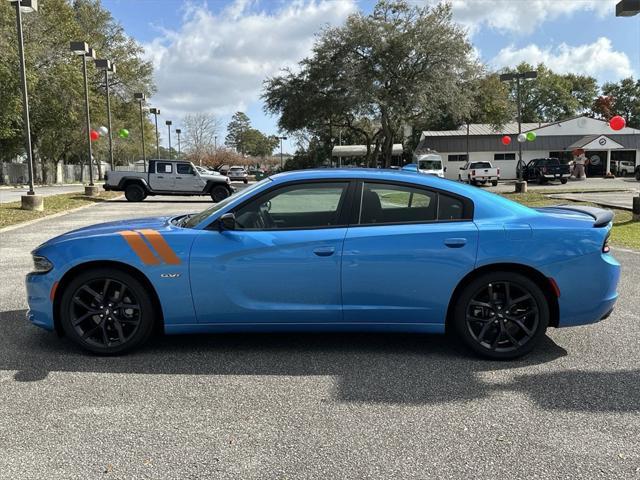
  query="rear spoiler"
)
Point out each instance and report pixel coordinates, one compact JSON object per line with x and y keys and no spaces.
{"x":600,"y":216}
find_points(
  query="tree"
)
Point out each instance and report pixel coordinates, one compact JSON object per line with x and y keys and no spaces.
{"x":400,"y":64}
{"x":625,"y":100}
{"x":257,"y":144}
{"x":199,"y":133}
{"x":236,"y":130}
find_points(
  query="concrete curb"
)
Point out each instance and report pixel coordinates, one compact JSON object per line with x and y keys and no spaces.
{"x":600,"y":203}
{"x":54,"y":215}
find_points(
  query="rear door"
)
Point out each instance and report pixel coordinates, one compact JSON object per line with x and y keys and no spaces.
{"x":163,"y":178}
{"x":406,"y":253}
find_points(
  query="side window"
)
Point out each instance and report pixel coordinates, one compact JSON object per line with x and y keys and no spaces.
{"x":386,"y":203}
{"x":311,"y":205}
{"x":450,"y":208}
{"x":184,"y":169}
{"x":163,"y":167}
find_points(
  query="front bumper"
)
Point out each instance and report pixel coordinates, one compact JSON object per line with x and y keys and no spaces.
{"x":39,"y":286}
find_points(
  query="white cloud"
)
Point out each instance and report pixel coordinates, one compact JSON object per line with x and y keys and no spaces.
{"x":521,"y":16}
{"x":597,"y":59}
{"x":217,"y":62}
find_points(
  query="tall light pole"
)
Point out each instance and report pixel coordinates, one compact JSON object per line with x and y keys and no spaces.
{"x":31,"y":201}
{"x":141,"y":97}
{"x":168,"y":124}
{"x":178,"y":132}
{"x":508,"y":77}
{"x":281,"y":157}
{"x":156,"y":112}
{"x":82,"y":49}
{"x":108,"y":67}
{"x":627,"y":8}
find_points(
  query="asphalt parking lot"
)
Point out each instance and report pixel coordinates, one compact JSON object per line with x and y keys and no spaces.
{"x":311,"y":406}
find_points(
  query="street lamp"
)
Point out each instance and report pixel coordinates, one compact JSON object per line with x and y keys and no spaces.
{"x":168,"y":124}
{"x":627,"y":8}
{"x":108,"y":67}
{"x":82,"y":49}
{"x":156,"y":112}
{"x":178,"y":132}
{"x":508,"y":77}
{"x":31,"y":201}
{"x":141,"y":97}
{"x":281,"y":158}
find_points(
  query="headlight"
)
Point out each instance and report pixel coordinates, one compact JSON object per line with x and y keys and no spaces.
{"x":41,"y":264}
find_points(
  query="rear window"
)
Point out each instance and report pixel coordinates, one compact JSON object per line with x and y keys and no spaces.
{"x":162,"y":167}
{"x":481,"y":165}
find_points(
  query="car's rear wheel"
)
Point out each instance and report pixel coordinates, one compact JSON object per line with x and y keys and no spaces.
{"x":494,"y":183}
{"x":501,"y":315}
{"x":563,"y":181}
{"x":219,"y":193}
{"x":541,"y":180}
{"x":135,"y":193}
{"x":106,"y":311}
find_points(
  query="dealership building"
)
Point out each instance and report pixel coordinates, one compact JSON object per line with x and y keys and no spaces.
{"x":606,"y":149}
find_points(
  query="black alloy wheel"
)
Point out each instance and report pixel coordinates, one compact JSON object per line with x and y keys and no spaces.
{"x":106,"y":311}
{"x":502,"y":315}
{"x":219,"y":193}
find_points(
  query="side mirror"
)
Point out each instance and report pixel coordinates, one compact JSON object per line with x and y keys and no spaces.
{"x":227,"y":221}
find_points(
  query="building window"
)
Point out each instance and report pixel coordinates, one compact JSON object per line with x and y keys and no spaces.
{"x":462,"y":157}
{"x":504,"y":156}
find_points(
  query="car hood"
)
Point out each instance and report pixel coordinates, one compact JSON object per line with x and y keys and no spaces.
{"x":107,"y":228}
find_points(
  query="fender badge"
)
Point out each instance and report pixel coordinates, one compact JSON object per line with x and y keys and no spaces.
{"x":169,"y":275}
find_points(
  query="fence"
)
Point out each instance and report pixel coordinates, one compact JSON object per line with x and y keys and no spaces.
{"x":18,"y":173}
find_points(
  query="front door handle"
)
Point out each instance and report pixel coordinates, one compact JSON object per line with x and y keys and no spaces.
{"x":455,"y":242}
{"x":159,"y":176}
{"x":178,"y":178}
{"x":324,"y":251}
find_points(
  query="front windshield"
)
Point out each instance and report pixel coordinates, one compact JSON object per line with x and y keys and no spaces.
{"x":430,"y":165}
{"x":193,"y":220}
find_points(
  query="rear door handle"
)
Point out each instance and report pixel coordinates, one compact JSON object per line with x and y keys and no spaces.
{"x":324,"y":251}
{"x":455,"y":242}
{"x":159,"y":176}
{"x":178,"y":178}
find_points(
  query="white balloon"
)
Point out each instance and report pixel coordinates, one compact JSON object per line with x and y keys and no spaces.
{"x":522,"y":138}
{"x":103,"y":130}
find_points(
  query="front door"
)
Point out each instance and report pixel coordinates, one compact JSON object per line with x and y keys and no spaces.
{"x":409,"y":250}
{"x":187,"y":180}
{"x":281,"y":264}
{"x":163,"y":179}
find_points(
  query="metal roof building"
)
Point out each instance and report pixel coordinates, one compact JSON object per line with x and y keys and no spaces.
{"x":604,"y":147}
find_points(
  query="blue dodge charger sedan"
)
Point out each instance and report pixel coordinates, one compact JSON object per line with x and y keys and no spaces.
{"x":333,"y":250}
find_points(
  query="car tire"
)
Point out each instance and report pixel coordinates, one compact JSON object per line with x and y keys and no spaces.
{"x":638,"y":175}
{"x":219,"y":193}
{"x":563,"y":181}
{"x":107,"y":311}
{"x":135,"y":193}
{"x":489,"y":323}
{"x":541,"y":180}
{"x":623,"y":173}
{"x":494,"y":183}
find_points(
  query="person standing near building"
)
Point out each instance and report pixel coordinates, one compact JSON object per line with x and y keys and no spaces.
{"x":579,"y":162}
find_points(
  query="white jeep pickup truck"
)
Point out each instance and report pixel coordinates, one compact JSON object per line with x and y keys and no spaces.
{"x":168,"y":177}
{"x":476,"y":173}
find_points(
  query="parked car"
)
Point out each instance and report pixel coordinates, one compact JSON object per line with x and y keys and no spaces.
{"x":476,"y":173}
{"x":206,"y":170}
{"x":238,"y":174}
{"x":168,"y":177}
{"x":625,"y":168}
{"x":333,"y":250}
{"x":430,"y":164}
{"x":544,"y":170}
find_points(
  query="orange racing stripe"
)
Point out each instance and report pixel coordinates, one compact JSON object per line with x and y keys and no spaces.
{"x":161,"y":246}
{"x":139,"y":246}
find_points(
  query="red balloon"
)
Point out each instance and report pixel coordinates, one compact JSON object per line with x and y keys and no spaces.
{"x":617,"y":122}
{"x":506,"y":140}
{"x":94,"y":135}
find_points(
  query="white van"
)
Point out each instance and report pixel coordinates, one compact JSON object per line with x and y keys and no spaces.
{"x":430,"y":164}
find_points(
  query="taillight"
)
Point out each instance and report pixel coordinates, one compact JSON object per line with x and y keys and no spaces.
{"x":498,"y":171}
{"x":473,"y":172}
{"x":605,"y":245}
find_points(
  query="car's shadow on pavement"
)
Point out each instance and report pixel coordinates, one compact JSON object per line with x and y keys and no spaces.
{"x":375,"y":368}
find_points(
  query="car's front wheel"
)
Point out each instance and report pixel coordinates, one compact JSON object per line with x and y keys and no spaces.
{"x":106,"y":311}
{"x":501,"y":315}
{"x":219,"y":193}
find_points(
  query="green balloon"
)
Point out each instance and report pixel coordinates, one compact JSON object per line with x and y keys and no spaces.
{"x":123,"y":133}
{"x":531,"y":136}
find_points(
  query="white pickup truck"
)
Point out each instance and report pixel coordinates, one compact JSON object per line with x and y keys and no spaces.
{"x":476,"y":173}
{"x":168,"y":177}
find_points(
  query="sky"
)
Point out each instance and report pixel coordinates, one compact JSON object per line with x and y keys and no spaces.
{"x":212,"y":56}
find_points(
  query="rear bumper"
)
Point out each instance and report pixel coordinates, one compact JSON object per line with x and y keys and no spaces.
{"x":588,"y":288}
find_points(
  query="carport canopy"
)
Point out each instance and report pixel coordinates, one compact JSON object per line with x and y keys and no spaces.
{"x":597,"y":142}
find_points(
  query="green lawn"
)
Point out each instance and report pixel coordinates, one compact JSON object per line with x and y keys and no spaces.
{"x":625,"y":232}
{"x":11,"y":213}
